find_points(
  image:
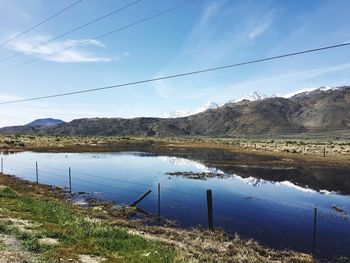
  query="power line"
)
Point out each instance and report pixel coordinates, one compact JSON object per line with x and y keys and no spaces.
{"x":100,"y":36}
{"x":40,"y":23}
{"x":72,"y":30}
{"x":180,"y":74}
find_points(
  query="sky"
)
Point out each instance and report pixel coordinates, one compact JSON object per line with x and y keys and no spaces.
{"x":198,"y":34}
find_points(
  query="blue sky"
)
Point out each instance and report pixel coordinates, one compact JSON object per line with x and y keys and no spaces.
{"x":198,"y":35}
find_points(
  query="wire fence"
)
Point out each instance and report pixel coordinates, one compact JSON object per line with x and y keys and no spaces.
{"x":259,"y":218}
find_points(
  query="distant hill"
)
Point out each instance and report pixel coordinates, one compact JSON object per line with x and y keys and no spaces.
{"x":45,"y":122}
{"x":32,"y":127}
{"x":321,"y":112}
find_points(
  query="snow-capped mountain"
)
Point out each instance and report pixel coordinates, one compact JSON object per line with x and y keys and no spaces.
{"x":213,"y":105}
{"x":181,"y":113}
{"x":256,"y":95}
{"x":305,"y":92}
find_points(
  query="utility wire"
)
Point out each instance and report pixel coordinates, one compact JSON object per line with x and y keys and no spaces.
{"x":72,"y":30}
{"x":40,"y":23}
{"x":101,"y":36}
{"x":181,"y":74}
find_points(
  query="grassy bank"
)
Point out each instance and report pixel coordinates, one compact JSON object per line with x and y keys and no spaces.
{"x":39,"y":224}
{"x":50,"y":231}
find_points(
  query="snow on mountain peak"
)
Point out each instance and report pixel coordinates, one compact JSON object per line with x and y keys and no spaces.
{"x":207,"y":106}
{"x":181,"y":113}
{"x":256,"y":95}
{"x":213,"y":105}
{"x":307,"y":91}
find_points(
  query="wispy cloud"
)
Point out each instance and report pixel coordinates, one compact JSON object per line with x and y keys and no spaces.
{"x":262,"y":26}
{"x":209,"y":12}
{"x":58,"y":49}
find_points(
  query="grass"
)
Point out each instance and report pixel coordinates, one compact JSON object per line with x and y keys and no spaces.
{"x":76,"y":234}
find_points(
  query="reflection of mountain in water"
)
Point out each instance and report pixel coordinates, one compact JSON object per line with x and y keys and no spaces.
{"x":186,"y":162}
{"x":253,"y":181}
{"x":305,"y":178}
{"x":256,"y":182}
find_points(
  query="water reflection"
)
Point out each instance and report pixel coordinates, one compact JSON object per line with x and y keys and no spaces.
{"x":278,"y":212}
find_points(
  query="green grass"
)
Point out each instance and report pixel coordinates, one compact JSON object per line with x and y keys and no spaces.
{"x":77,"y":235}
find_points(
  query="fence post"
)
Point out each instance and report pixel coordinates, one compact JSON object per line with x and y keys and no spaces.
{"x":36,"y":172}
{"x":314,"y":236}
{"x":158,"y":202}
{"x":210,"y":210}
{"x":141,"y":198}
{"x":324,"y":151}
{"x":70,"y":180}
{"x":2,"y":165}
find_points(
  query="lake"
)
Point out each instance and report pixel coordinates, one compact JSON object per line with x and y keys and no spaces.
{"x":279,"y":213}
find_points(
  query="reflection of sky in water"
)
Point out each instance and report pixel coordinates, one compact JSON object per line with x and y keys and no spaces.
{"x":250,"y":206}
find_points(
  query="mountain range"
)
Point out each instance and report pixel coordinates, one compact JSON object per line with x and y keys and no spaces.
{"x":323,"y":111}
{"x":256,"y":95}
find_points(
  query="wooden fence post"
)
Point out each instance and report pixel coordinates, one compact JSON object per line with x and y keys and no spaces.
{"x":210,"y":210}
{"x":36,"y":172}
{"x":70,"y":180}
{"x":141,"y":198}
{"x":158,"y":202}
{"x":314,"y":236}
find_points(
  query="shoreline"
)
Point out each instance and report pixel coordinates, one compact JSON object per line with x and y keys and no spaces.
{"x":219,"y":247}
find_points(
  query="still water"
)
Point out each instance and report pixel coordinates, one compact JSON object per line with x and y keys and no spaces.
{"x":278,"y":214}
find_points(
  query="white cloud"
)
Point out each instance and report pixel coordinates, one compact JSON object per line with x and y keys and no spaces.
{"x":69,"y":50}
{"x":262,"y":26}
